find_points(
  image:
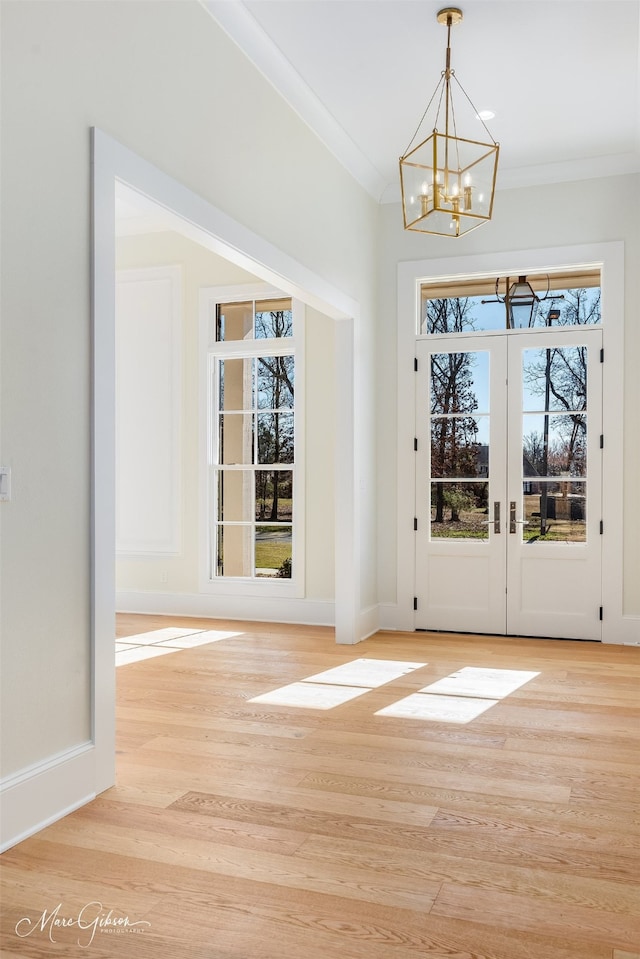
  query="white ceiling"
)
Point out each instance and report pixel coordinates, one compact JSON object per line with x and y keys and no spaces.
{"x":562,"y":77}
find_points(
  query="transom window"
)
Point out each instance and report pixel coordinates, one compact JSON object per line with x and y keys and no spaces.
{"x":561,"y":299}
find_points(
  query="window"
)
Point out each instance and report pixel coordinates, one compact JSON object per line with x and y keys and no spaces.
{"x":562,"y":299}
{"x":253,"y":477}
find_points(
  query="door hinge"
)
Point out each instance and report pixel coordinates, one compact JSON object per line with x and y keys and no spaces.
{"x":600,"y":615}
{"x":415,"y":444}
{"x":415,"y":602}
{"x":602,"y":441}
{"x":601,"y":527}
{"x":415,"y":522}
{"x":602,"y":355}
{"x":415,"y":364}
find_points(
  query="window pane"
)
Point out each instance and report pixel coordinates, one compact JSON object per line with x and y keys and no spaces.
{"x":555,"y":379}
{"x":235,"y":503}
{"x":273,"y":552}
{"x":274,"y":495}
{"x":235,"y":551}
{"x":554,"y":445}
{"x":459,"y":446}
{"x":275,"y":437}
{"x":460,"y":382}
{"x":234,"y":321}
{"x":567,"y":298}
{"x":235,"y":438}
{"x":461,"y":314}
{"x":555,"y":512}
{"x":275,"y":382}
{"x":274,"y":318}
{"x":569,"y":307}
{"x":459,"y":510}
{"x":236,"y":384}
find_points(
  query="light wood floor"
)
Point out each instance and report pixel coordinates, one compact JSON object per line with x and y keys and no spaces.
{"x":254,"y":830}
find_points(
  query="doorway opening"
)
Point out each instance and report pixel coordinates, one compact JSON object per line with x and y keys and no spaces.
{"x":115,"y":167}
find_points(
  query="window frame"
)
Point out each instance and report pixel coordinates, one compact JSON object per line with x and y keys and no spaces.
{"x":212,"y":351}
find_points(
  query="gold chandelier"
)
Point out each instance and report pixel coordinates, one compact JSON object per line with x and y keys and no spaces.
{"x":447,"y":181}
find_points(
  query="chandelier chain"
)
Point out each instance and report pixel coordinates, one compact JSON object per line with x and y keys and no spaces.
{"x":471,"y":104}
{"x":440,"y":87}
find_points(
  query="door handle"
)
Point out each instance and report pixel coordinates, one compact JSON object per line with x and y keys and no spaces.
{"x":496,"y":518}
{"x":513,"y":522}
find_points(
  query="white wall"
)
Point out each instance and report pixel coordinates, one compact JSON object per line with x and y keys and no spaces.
{"x":179,"y":574}
{"x":566,"y":214}
{"x":162,"y":79}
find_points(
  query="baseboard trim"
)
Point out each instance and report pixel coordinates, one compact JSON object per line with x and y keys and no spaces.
{"x":369,"y":622}
{"x":391,"y":617}
{"x":625,"y":630}
{"x":267,"y":609}
{"x":42,"y":793}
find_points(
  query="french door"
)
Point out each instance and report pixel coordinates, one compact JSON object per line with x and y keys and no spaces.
{"x":509,"y":483}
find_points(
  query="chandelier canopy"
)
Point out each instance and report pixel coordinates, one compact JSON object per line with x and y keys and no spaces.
{"x":448,"y":181}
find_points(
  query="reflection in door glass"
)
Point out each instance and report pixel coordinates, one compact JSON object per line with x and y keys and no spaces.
{"x":554,"y":512}
{"x":554,"y":445}
{"x":459,"y":511}
{"x":460,"y":382}
{"x":459,"y":446}
{"x":554,"y":379}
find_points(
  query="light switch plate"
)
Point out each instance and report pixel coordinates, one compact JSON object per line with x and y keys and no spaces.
{"x":5,"y":482}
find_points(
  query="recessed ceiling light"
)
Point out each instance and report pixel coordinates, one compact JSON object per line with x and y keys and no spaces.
{"x":485,"y":115}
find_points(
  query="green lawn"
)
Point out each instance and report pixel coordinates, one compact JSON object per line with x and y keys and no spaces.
{"x":270,"y":555}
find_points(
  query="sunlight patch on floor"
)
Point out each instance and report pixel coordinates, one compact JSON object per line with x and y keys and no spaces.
{"x":336,"y":686}
{"x":486,"y":683}
{"x":365,"y":672}
{"x":461,"y":696}
{"x":311,"y":695}
{"x":159,"y":642}
{"x":439,"y":709}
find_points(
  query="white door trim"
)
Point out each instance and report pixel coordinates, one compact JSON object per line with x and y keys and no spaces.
{"x":610,"y":257}
{"x":111,"y":163}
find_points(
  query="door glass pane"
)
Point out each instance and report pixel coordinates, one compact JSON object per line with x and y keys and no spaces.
{"x":273,"y":552}
{"x":459,"y":446}
{"x":274,"y":495}
{"x":234,"y":495}
{"x":554,"y":445}
{"x":460,"y":382}
{"x":235,"y":439}
{"x":555,"y":512}
{"x":459,"y":511}
{"x":554,"y":379}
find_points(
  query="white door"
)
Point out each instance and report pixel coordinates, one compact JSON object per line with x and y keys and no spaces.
{"x":508,"y":480}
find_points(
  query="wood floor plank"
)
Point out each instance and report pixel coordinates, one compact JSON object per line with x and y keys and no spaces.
{"x":248,"y":830}
{"x":536,"y":884}
{"x":578,"y":922}
{"x":304,"y":821}
{"x":224,"y":860}
{"x":469,"y":776}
